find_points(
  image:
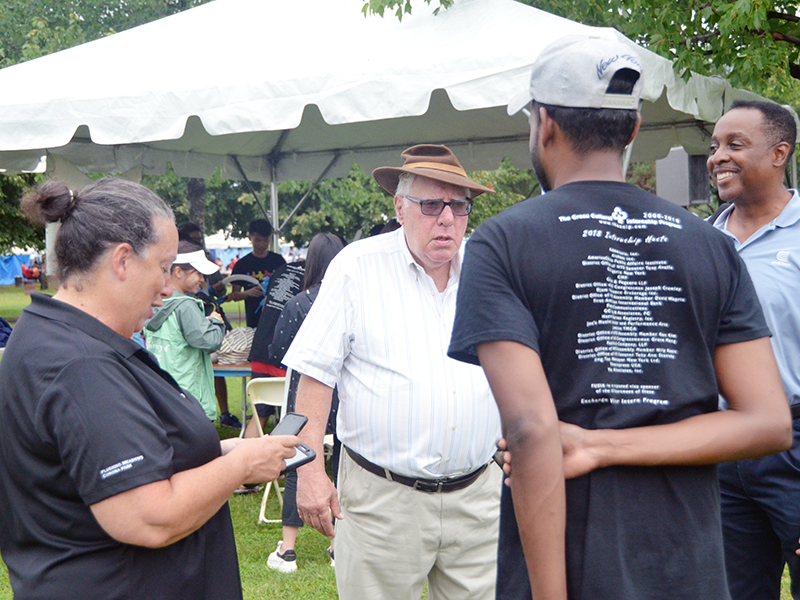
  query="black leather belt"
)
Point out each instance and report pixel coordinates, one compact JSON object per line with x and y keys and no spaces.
{"x":795,"y":408}
{"x":443,"y":484}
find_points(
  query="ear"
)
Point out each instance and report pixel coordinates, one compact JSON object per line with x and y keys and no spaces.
{"x":399,"y":206}
{"x":780,"y":154}
{"x":547,"y":127}
{"x":635,"y":129}
{"x":121,"y":258}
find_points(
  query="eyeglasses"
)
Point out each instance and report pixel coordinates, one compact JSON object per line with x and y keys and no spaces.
{"x":435,"y":207}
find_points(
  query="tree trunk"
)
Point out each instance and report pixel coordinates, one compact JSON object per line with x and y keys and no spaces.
{"x":196,"y":191}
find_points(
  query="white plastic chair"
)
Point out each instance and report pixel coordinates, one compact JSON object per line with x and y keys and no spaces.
{"x":269,"y":391}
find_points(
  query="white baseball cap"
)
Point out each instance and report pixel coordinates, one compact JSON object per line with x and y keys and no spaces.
{"x":575,"y":71}
{"x":197,"y":260}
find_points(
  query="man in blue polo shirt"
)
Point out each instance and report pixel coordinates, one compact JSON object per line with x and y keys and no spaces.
{"x":750,"y":148}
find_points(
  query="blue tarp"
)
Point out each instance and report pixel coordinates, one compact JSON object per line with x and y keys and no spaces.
{"x":11,"y":266}
{"x":228,"y":254}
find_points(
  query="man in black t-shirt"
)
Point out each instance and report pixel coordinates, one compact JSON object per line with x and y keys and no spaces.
{"x":260,"y":264}
{"x":603,"y":317}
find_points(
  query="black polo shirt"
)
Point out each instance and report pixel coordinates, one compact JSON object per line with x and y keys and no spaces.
{"x":86,"y":414}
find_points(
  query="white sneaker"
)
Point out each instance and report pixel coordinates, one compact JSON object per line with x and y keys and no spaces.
{"x":285,"y":563}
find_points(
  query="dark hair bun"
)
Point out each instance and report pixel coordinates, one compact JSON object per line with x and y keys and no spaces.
{"x":111,"y":211}
{"x":49,"y":203}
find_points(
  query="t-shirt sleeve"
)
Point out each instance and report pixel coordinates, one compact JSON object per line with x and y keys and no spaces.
{"x":742,"y":319}
{"x":277,"y":261}
{"x":490,"y":303}
{"x":240,"y":268}
{"x":323,"y":340}
{"x":106,"y":433}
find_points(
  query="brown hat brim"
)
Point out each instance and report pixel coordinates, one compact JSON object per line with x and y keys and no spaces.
{"x":388,"y":177}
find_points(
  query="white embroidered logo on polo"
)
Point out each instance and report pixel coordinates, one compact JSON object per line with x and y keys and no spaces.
{"x":782,"y":259}
{"x":119,"y":467}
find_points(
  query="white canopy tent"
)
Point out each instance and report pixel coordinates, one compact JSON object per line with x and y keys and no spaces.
{"x":221,"y":240}
{"x":273,"y":90}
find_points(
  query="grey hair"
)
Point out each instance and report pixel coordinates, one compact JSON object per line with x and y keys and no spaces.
{"x":404,"y":183}
{"x":102,"y":215}
{"x":406,"y":180}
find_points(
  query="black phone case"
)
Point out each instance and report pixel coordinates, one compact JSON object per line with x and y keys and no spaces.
{"x":303,"y":455}
{"x":292,"y":424}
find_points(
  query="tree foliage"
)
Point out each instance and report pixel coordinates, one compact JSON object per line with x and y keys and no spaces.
{"x":350,"y":206}
{"x":33,"y":28}
{"x":229,"y":206}
{"x":14,"y":229}
{"x":755,"y":44}
{"x":347,"y":206}
{"x":511,"y":185}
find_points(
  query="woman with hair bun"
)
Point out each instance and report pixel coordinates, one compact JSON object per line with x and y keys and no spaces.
{"x":113,"y":482}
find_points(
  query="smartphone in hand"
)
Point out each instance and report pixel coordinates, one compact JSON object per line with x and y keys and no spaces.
{"x":292,"y":424}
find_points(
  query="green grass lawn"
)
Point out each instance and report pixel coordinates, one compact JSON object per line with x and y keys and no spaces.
{"x":314,"y":578}
{"x":13,"y":300}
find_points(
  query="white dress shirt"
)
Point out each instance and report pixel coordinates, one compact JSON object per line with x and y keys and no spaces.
{"x":380,"y":329}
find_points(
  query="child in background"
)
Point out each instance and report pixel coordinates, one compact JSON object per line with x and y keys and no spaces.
{"x":179,"y":334}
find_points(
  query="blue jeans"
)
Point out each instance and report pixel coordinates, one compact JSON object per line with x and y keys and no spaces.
{"x":760,"y":500}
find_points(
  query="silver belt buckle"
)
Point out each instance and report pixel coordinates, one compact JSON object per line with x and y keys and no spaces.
{"x":433,"y":486}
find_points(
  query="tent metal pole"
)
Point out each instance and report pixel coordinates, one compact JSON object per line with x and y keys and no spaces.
{"x":273,"y":198}
{"x":311,"y":189}
{"x":626,"y":160}
{"x":249,"y":185}
{"x":273,"y":193}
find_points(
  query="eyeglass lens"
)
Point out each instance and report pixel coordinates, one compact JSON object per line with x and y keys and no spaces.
{"x":433,"y":208}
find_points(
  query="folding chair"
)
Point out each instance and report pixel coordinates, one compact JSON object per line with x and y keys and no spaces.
{"x":270,"y":391}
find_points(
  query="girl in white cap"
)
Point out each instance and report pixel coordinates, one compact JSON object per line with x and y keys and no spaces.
{"x":181,"y":336}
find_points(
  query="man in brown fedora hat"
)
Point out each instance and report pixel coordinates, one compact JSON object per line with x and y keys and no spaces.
{"x":418,"y":495}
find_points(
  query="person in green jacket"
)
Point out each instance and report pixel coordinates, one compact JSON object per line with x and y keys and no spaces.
{"x":179,"y":333}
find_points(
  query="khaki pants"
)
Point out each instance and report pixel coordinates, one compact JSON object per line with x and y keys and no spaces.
{"x":393,"y":537}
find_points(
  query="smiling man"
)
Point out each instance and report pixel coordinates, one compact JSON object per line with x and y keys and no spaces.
{"x":750,"y":148}
{"x":419,"y":497}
